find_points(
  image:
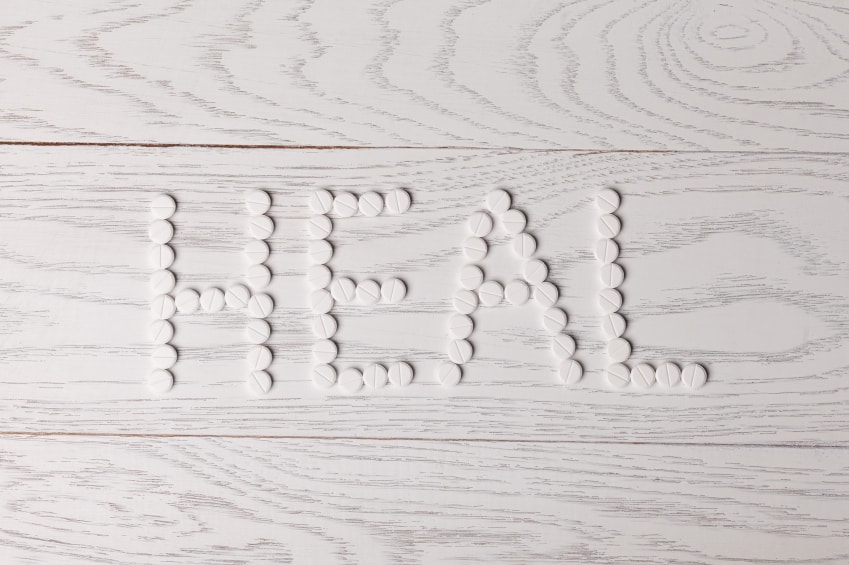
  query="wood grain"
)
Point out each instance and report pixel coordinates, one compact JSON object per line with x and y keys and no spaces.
{"x":666,"y":74}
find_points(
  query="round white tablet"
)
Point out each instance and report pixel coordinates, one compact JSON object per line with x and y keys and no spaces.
{"x":642,"y":375}
{"x":448,"y":373}
{"x":606,"y":250}
{"x":258,"y":331}
{"x":471,"y":277}
{"x":345,"y":204}
{"x":257,"y":202}
{"x":619,"y":349}
{"x":325,"y":351}
{"x":323,"y":376}
{"x":608,"y":226}
{"x":398,"y":201}
{"x":187,"y":301}
{"x":258,"y":276}
{"x":535,"y":271}
{"x":321,"y":301}
{"x":259,"y":357}
{"x":161,"y":256}
{"x":368,"y":292}
{"x":498,"y":201}
{"x":321,"y":201}
{"x":613,"y":325}
{"x":571,"y":372}
{"x":237,"y":297}
{"x":618,"y":375}
{"x":260,"y":306}
{"x":257,"y":251}
{"x":163,"y":307}
{"x":375,"y":376}
{"x":351,"y":380}
{"x":514,"y":221}
{"x":517,"y":292}
{"x":320,"y":227}
{"x":546,"y":294}
{"x":400,"y":374}
{"x":465,"y":301}
{"x":609,"y":300}
{"x":475,"y":248}
{"x":343,"y":289}
{"x":370,"y":204}
{"x":694,"y":376}
{"x":261,"y":227}
{"x":160,"y":381}
{"x":161,"y":331}
{"x":212,"y":300}
{"x":667,"y":375}
{"x":554,"y":320}
{"x":491,"y":293}
{"x":607,"y":200}
{"x":460,"y":351}
{"x":460,"y":326}
{"x":162,"y":282}
{"x":163,"y":207}
{"x":320,"y":251}
{"x":259,"y":382}
{"x":164,"y":357}
{"x":324,"y":326}
{"x":319,"y":276}
{"x":480,"y":224}
{"x":563,"y":346}
{"x":393,"y":290}
{"x":612,"y":275}
{"x":524,"y":245}
{"x":160,"y":231}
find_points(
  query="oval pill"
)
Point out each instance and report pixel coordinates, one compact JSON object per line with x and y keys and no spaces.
{"x":448,"y":373}
{"x":607,"y":200}
{"x":475,"y":248}
{"x":554,"y":320}
{"x":237,"y":297}
{"x":606,"y":250}
{"x":471,"y":277}
{"x":400,"y":374}
{"x":694,"y":375}
{"x":343,"y":290}
{"x":324,"y":326}
{"x":212,"y":300}
{"x":393,"y":290}
{"x":609,"y":300}
{"x":260,"y":306}
{"x":368,"y":292}
{"x":351,"y":380}
{"x":258,"y":331}
{"x":370,"y":204}
{"x":514,"y":221}
{"x":613,"y":325}
{"x":257,"y":251}
{"x":642,"y":375}
{"x":325,"y":351}
{"x":571,"y":372}
{"x":398,"y":201}
{"x":375,"y":376}
{"x":535,"y":271}
{"x":498,"y":201}
{"x":160,"y":231}
{"x":618,"y":375}
{"x":320,"y":251}
{"x":257,"y":202}
{"x":608,"y":226}
{"x":261,"y":227}
{"x":517,"y":292}
{"x":612,"y":275}
{"x":320,"y":227}
{"x":524,"y":245}
{"x":480,"y":224}
{"x":667,"y":375}
{"x":259,"y":357}
{"x":161,"y":256}
{"x":161,"y":331}
{"x":460,"y":326}
{"x":187,"y":301}
{"x":563,"y":346}
{"x":160,"y":381}
{"x":321,"y":301}
{"x":163,"y":207}
{"x":345,"y":204}
{"x":162,"y":281}
{"x":465,"y":301}
{"x":491,"y":293}
{"x":546,"y":294}
{"x":460,"y":351}
{"x":164,"y":357}
{"x":619,"y":350}
{"x":258,"y":276}
{"x":321,"y":201}
{"x":323,"y":376}
{"x":319,"y":276}
{"x":259,"y":382}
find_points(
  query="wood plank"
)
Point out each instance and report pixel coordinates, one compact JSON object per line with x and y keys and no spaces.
{"x":736,"y":260}
{"x":667,"y":74}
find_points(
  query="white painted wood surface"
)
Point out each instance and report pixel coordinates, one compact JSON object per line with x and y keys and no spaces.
{"x":668,"y":74}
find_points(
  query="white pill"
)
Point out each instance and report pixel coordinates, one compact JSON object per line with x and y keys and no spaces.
{"x":164,"y":357}
{"x":460,"y":326}
{"x":370,"y":204}
{"x":345,"y":204}
{"x":480,"y":224}
{"x":491,"y":293}
{"x":257,"y":251}
{"x":258,"y":276}
{"x":612,"y":275}
{"x":319,"y":276}
{"x":524,"y":245}
{"x":571,"y":372}
{"x":608,"y":226}
{"x":398,"y":201}
{"x":613,"y":325}
{"x":324,"y":326}
{"x":368,"y":292}
{"x":514,"y":221}
{"x":160,"y":231}
{"x":475,"y":248}
{"x":554,"y":320}
{"x":343,"y":289}
{"x":237,"y":297}
{"x":393,"y":290}
{"x":351,"y":380}
{"x":606,"y":250}
{"x":619,"y":349}
{"x":320,"y":227}
{"x":163,"y":307}
{"x":323,"y":376}
{"x":187,"y":301}
{"x":460,"y":351}
{"x":498,"y":201}
{"x":667,"y":375}
{"x":375,"y":376}
{"x":325,"y":351}
{"x":694,"y":376}
{"x":321,"y":201}
{"x":563,"y":346}
{"x":257,"y":202}
{"x":320,"y":251}
{"x":161,"y":331}
{"x":261,"y":227}
{"x":618,"y":375}
{"x":321,"y":301}
{"x":259,"y":358}
{"x":465,"y":301}
{"x":400,"y":374}
{"x":162,"y":282}
{"x":258,"y":331}
{"x":163,"y":207}
{"x":161,"y":256}
{"x":607,"y":200}
{"x":471,"y":277}
{"x":546,"y":294}
{"x":259,"y":382}
{"x":642,"y":375}
{"x":609,"y":300}
{"x":212,"y":300}
{"x":535,"y":271}
{"x":160,"y":381}
{"x":260,"y":306}
{"x":448,"y":373}
{"x":517,"y":292}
